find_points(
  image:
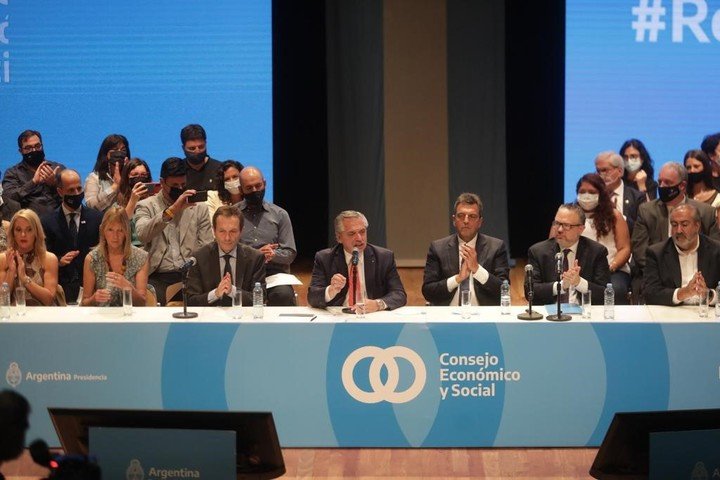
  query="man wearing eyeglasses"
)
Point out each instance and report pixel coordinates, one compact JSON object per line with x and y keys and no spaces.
{"x":466,"y":260}
{"x":32,"y":181}
{"x":584,"y":261}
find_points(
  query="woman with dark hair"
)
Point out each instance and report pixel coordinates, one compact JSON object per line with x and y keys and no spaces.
{"x":639,"y":170}
{"x":605,"y":224}
{"x":228,"y":183}
{"x":700,"y":185}
{"x":133,"y":188}
{"x":103,"y":184}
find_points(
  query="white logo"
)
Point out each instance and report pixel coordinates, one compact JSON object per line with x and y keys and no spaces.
{"x":699,"y":472}
{"x":134,"y":471}
{"x":384,"y":357}
{"x":13,"y":375}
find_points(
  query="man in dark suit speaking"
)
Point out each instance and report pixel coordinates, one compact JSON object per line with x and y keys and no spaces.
{"x":466,"y":258}
{"x":342,"y":278}
{"x":584,"y":261}
{"x":225,"y":265}
{"x":682,"y":267}
{"x":71,"y":230}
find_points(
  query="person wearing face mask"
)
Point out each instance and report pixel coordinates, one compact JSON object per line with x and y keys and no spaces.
{"x":133,"y":187}
{"x":700,"y":180}
{"x":228,"y":186}
{"x":32,"y":181}
{"x":170,"y":227}
{"x":609,"y":165}
{"x":103,"y":184}
{"x":269,"y":230}
{"x":639,"y":172}
{"x":711,"y":146}
{"x":202,"y":170}
{"x":652,"y":225}
{"x":606,"y":225}
{"x":71,"y":231}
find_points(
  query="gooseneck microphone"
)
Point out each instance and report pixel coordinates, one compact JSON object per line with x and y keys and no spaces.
{"x":559,"y":317}
{"x":529,"y":314}
{"x":355,"y":256}
{"x":184,"y":269}
{"x":191,"y":262}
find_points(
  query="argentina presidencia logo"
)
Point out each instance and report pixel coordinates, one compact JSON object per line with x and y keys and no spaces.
{"x":13,"y":375}
{"x":134,"y":470}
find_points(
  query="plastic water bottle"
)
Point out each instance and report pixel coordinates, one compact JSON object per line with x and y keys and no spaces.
{"x":258,"y":304}
{"x":505,"y":298}
{"x":717,"y":300}
{"x":5,"y":301}
{"x":609,"y":309}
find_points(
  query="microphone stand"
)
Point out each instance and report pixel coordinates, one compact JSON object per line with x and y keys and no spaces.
{"x":185,"y":314}
{"x":559,"y":317}
{"x":529,"y":314}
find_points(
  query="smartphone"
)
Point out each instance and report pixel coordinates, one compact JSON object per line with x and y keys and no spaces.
{"x":153,"y":187}
{"x":117,"y":156}
{"x":200,"y":196}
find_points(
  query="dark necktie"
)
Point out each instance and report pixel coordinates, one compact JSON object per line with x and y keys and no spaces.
{"x":226,"y":300}
{"x":565,"y":296}
{"x":72,"y":226}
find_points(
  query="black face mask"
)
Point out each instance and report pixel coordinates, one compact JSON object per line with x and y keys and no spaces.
{"x":196,"y":158}
{"x":34,"y":158}
{"x":135,"y":180}
{"x":695,"y":177}
{"x":668,"y":194}
{"x":74,"y":201}
{"x":255,"y":198}
{"x":175,"y":193}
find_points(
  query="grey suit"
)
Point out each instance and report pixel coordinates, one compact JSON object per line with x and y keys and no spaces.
{"x":662,"y":271}
{"x":443,"y":262}
{"x":652,"y":226}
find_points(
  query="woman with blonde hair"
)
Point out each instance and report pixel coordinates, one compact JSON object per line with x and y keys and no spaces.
{"x":26,"y":262}
{"x":115,"y":264}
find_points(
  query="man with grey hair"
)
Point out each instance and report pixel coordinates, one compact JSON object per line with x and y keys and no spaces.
{"x":466,"y":260}
{"x":610,"y":166}
{"x":679,"y":270}
{"x":341,"y":277}
{"x":652,"y":224}
{"x":584,"y":261}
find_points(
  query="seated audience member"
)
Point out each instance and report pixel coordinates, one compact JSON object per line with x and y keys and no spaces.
{"x":14,"y":412}
{"x":133,"y":188}
{"x":652,"y":225}
{"x":584,"y":262}
{"x":683,"y":267}
{"x":627,"y":200}
{"x":700,"y":180}
{"x":269,"y":230}
{"x":606,"y":225}
{"x":31,"y":182}
{"x":639,"y":171}
{"x":711,"y":146}
{"x":8,"y":208}
{"x":70,"y":232}
{"x":26,"y":262}
{"x":202,"y":170}
{"x":225,"y":265}
{"x":466,"y":259}
{"x":171,"y":228}
{"x":103,"y":183}
{"x":378,"y":281}
{"x":115,"y":264}
{"x":228,"y":186}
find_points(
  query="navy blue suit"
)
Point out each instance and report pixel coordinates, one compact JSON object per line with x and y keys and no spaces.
{"x":57,"y":240}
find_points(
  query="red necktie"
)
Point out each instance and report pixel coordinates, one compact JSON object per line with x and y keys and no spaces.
{"x":354,"y":291}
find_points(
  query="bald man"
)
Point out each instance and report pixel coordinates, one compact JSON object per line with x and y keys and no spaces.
{"x":268,"y":229}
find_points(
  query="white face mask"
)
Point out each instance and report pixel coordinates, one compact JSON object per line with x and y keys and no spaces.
{"x":233,"y":186}
{"x":633,"y":164}
{"x":588,"y":201}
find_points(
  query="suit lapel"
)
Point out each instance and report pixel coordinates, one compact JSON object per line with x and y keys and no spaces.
{"x":663,"y":223}
{"x":214,"y":277}
{"x":705,"y":262}
{"x":453,"y":255}
{"x":62,"y":223}
{"x":240,"y":260}
{"x":184,"y":223}
{"x":480,"y":249}
{"x":370,"y":271}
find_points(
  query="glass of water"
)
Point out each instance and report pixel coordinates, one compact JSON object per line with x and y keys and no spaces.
{"x":587,"y":304}
{"x":127,"y":301}
{"x":704,"y":302}
{"x":237,"y":304}
{"x":465,"y":304}
{"x":20,"y":301}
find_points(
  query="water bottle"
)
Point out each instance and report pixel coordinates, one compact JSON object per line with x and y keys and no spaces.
{"x":5,"y":301}
{"x":258,"y":301}
{"x":505,"y":298}
{"x":717,"y":300}
{"x":609,"y":309}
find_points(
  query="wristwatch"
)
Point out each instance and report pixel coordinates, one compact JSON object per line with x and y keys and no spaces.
{"x":381,"y":304}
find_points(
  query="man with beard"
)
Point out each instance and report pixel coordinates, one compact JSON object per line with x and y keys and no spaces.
{"x":679,"y":270}
{"x":202,"y":170}
{"x":32,"y":181}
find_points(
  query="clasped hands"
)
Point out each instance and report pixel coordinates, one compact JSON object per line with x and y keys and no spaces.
{"x":571,"y":277}
{"x":695,"y":287}
{"x":469,"y":263}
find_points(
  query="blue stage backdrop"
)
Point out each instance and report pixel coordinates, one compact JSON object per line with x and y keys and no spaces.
{"x":79,"y":71}
{"x":639,"y":68}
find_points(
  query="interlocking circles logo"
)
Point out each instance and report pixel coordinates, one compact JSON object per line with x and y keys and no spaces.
{"x":384,"y":357}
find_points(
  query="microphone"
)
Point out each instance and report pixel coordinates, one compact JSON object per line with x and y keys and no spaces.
{"x":186,"y":266}
{"x":529,"y":279}
{"x":355,"y":256}
{"x":40,"y":453}
{"x":559,"y":263}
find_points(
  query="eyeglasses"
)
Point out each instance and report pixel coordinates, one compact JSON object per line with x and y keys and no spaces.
{"x":468,"y":216}
{"x":32,"y":148}
{"x":565,"y":226}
